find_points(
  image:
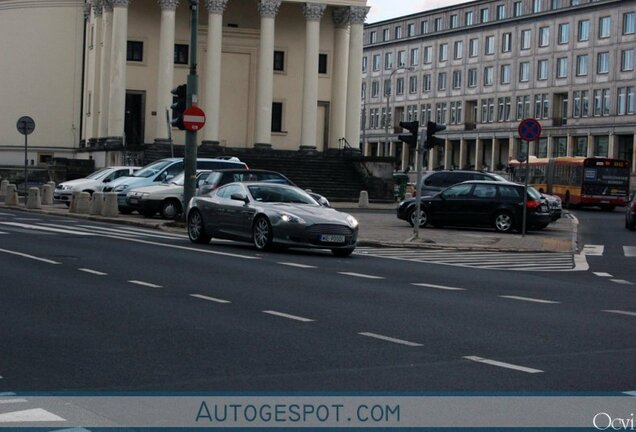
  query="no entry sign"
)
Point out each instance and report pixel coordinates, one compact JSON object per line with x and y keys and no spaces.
{"x":193,"y":118}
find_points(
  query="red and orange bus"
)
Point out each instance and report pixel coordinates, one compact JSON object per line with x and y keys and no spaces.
{"x":580,"y":181}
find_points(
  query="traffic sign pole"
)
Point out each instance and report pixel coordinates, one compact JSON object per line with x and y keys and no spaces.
{"x":26,"y":126}
{"x":529,"y":130}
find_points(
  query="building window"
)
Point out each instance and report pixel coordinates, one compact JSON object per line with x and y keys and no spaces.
{"x":580,"y":147}
{"x":322,"y":64}
{"x":458,"y":50}
{"x":629,"y":23}
{"x":425,"y":115}
{"x":503,"y":110}
{"x":438,"y":24}
{"x":542,"y":70}
{"x":627,"y":60}
{"x":505,"y":73}
{"x":277,"y":117}
{"x":544,"y":36}
{"x":484,"y":15}
{"x":443,"y":52}
{"x":424,"y":27}
{"x":411,"y":30}
{"x":625,"y":100}
{"x":399,"y":86}
{"x":413,"y":84}
{"x":363,"y":91}
{"x":517,"y":9}
{"x":602,"y":63}
{"x":564,"y":33}
{"x":506,"y":42}
{"x":135,"y":51}
{"x":584,"y":30}
{"x":536,"y":6}
{"x":575,"y":2}
{"x":601,"y":102}
{"x":601,"y":145}
{"x":181,"y":54}
{"x":556,"y":4}
{"x":398,"y":32}
{"x":473,"y":47}
{"x":279,"y":61}
{"x":415,"y":56}
{"x":526,"y":39}
{"x":401,"y":58}
{"x":581,"y":65}
{"x":487,"y":110}
{"x":365,"y":64}
{"x":442,"y":81}
{"x":472,"y":77}
{"x":524,"y":71}
{"x":541,"y":106}
{"x":562,"y":67}
{"x":604,"y":24}
{"x":426,"y":83}
{"x":468,"y":18}
{"x":489,"y":75}
{"x":581,"y":103}
{"x":375,"y":89}
{"x":387,"y":87}
{"x":386,"y":35}
{"x":373,"y":37}
{"x":457,"y":79}
{"x":440,"y":109}
{"x":388,"y":61}
{"x":501,"y":12}
{"x":428,"y":54}
{"x":456,"y":112}
{"x":376,"y":62}
{"x":489,"y":46}
{"x":454,"y":21}
{"x":523,"y":107}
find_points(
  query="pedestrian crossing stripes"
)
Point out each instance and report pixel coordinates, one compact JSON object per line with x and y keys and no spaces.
{"x":478,"y":259}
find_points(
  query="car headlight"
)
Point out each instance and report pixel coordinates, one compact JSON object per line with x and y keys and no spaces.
{"x":288,"y":217}
{"x":120,"y":188}
{"x":64,"y":187}
{"x":353,"y":222}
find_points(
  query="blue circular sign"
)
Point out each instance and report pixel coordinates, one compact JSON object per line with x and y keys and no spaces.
{"x":529,"y":129}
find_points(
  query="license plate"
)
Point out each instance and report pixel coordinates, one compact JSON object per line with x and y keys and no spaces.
{"x":331,"y":238}
{"x":544,"y":208}
{"x":133,"y":200}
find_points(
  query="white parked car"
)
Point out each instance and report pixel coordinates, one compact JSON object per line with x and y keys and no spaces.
{"x":93,"y":183}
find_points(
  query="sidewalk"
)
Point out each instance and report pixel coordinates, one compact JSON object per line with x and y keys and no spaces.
{"x":379,"y":227}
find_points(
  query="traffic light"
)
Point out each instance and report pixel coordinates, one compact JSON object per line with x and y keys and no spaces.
{"x":178,"y":106}
{"x":431,"y":140}
{"x":412,"y":127}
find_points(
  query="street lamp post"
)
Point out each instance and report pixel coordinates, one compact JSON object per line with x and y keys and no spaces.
{"x":388,"y":97}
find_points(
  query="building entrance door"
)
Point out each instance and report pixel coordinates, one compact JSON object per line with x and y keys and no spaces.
{"x":134,"y":121}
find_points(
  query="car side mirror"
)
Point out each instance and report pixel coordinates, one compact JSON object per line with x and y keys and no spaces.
{"x":239,"y":197}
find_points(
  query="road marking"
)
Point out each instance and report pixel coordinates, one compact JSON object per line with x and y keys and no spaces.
{"x":49,"y":229}
{"x":593,"y":250}
{"x":131,"y":232}
{"x":30,"y":415}
{"x":48,"y":261}
{"x":361,"y":275}
{"x":284,"y":315}
{"x":529,"y":299}
{"x":146,"y":284}
{"x":95,"y":272}
{"x":502,"y":364}
{"x":602,"y":274}
{"x":580,"y":263}
{"x":630,"y":393}
{"x":200,"y":296}
{"x":390,"y":339}
{"x":620,"y":312}
{"x":11,"y":401}
{"x":442,"y":287}
{"x":622,"y":281}
{"x":630,"y":251}
{"x":2,"y":232}
{"x":290,"y":264}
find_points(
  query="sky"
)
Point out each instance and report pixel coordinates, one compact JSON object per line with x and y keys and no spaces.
{"x":385,"y":9}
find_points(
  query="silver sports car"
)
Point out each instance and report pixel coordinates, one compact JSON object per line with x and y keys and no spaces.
{"x":269,"y":214}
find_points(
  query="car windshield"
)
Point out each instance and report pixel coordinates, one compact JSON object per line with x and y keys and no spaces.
{"x":152,"y":169}
{"x":103,"y":172}
{"x":276,"y":194}
{"x":533,"y":193}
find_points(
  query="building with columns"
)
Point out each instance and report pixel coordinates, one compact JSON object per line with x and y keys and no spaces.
{"x":481,"y":67}
{"x":97,"y":76}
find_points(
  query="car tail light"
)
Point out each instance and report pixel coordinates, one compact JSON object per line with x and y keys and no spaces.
{"x":533,"y":204}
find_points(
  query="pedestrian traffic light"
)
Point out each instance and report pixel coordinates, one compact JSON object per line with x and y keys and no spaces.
{"x":431,"y":140}
{"x":412,"y":127}
{"x":178,"y":106}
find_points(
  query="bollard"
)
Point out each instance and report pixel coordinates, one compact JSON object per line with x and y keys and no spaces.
{"x":363,"y":201}
{"x":33,"y":199}
{"x":3,"y":187}
{"x":12,"y":195}
{"x":74,"y":198}
{"x":110,"y":208}
{"x":83,"y":203}
{"x":47,"y":194}
{"x":97,"y":203}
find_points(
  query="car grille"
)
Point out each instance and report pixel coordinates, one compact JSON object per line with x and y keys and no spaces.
{"x":329,"y":229}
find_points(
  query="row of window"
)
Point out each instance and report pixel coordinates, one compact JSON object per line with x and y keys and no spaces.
{"x":525,"y":38}
{"x":629,"y":23}
{"x":489,"y":110}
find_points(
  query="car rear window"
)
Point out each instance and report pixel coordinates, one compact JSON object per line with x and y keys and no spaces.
{"x":509,"y":191}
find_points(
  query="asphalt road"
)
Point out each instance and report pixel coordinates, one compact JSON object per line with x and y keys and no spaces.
{"x":86,"y":306}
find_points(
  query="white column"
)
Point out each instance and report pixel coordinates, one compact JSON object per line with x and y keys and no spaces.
{"x":405,"y":156}
{"x":117,"y":104}
{"x":339,"y":82}
{"x":462,"y":153}
{"x":590,"y":145}
{"x":432,"y":158}
{"x":550,"y":146}
{"x":165,"y":71}
{"x":357,"y":14}
{"x":612,"y":148}
{"x":479,"y":151}
{"x":448,"y":154}
{"x":212,"y":95}
{"x":513,"y":151}
{"x":569,"y":146}
{"x":313,"y":14}
{"x":94,"y":66}
{"x":494,"y":157}
{"x":104,"y":80}
{"x":268,"y":10}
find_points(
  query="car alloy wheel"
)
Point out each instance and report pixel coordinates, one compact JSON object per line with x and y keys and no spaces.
{"x":503,"y":222}
{"x":196,"y":230}
{"x":262,"y":233}
{"x":423,"y":217}
{"x":170,"y":209}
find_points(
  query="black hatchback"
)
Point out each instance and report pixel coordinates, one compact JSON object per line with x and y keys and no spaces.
{"x":479,"y":203}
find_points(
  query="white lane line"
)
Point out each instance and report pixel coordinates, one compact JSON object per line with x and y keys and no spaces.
{"x":30,"y":415}
{"x":529,"y":299}
{"x":146,"y":284}
{"x":7,"y":393}
{"x":2,"y":232}
{"x":620,"y":312}
{"x":95,"y":272}
{"x":630,"y":251}
{"x":11,"y":401}
{"x":502,"y":364}
{"x":49,"y":229}
{"x":212,"y":299}
{"x":602,"y":274}
{"x":593,"y":250}
{"x":48,"y":261}
{"x":390,"y":339}
{"x":580,"y":263}
{"x":284,"y":315}
{"x":361,"y":275}
{"x":291,"y":264}
{"x":621,"y":281}
{"x":442,"y":287}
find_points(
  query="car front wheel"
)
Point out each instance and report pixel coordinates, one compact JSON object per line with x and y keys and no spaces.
{"x":170,"y":209}
{"x":423,"y":217}
{"x":504,"y":222}
{"x":196,"y":229}
{"x":262,"y":233}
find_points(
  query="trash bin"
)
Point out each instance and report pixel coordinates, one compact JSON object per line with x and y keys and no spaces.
{"x":399,"y":188}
